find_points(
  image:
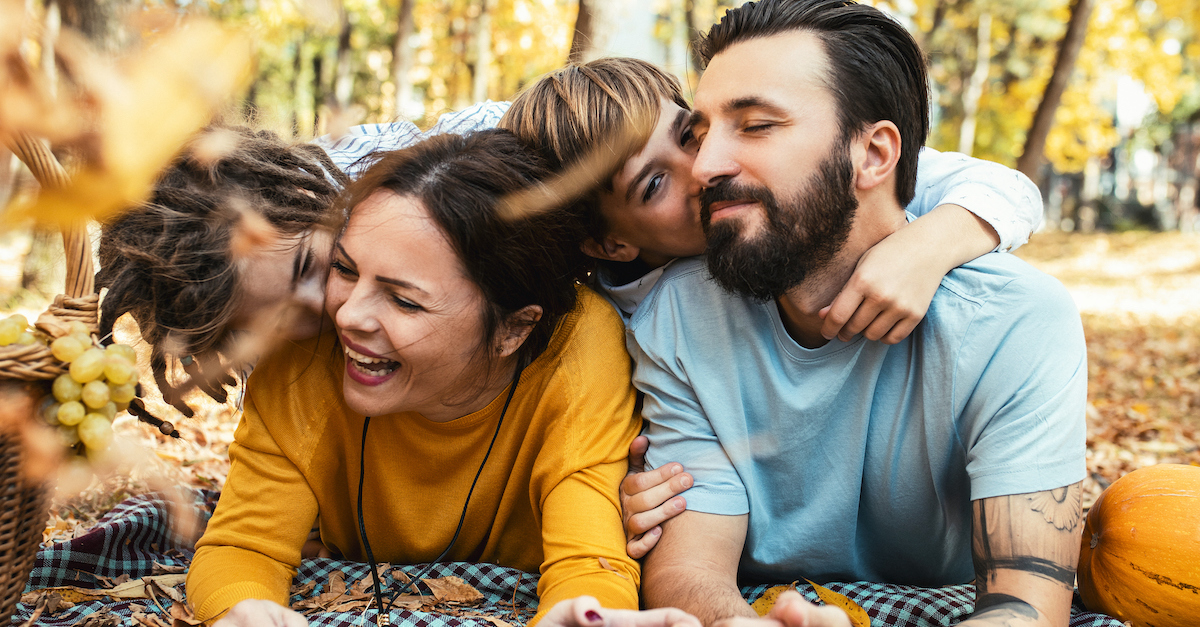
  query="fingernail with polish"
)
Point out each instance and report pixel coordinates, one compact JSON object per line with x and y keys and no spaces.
{"x":593,"y":616}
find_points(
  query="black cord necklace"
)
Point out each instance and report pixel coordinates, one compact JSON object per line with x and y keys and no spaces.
{"x":381,"y":615}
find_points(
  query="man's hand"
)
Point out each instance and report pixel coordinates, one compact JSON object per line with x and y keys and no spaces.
{"x":793,"y":610}
{"x":894,"y":282}
{"x":585,"y":611}
{"x":1026,"y":548}
{"x":260,"y":613}
{"x":646,"y":498}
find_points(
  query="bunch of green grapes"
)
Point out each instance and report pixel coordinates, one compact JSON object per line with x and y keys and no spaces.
{"x":99,"y":383}
{"x":15,"y":330}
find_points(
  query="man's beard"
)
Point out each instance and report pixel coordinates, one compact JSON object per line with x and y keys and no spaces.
{"x":798,"y":238}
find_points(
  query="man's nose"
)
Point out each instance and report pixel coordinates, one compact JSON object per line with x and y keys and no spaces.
{"x":715,"y":161}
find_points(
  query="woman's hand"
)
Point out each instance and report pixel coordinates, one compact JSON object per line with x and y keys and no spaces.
{"x":894,"y":282}
{"x":646,"y":498}
{"x":260,"y":613}
{"x":585,"y":611}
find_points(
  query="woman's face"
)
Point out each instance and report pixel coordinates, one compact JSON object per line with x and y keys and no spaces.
{"x":654,"y":205}
{"x":409,"y":319}
{"x":288,"y":273}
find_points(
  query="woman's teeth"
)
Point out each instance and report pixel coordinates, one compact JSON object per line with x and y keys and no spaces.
{"x":372,"y":366}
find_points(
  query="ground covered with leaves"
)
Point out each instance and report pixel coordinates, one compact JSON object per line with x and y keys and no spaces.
{"x":1138,"y":293}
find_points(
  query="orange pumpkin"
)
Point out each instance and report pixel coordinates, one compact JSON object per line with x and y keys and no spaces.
{"x":1140,"y":560}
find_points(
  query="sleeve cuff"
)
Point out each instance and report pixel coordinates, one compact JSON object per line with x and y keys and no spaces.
{"x":221,"y":601}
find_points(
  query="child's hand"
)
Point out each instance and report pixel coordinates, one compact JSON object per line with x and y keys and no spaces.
{"x":894,"y":282}
{"x":887,"y":295}
{"x":649,"y":498}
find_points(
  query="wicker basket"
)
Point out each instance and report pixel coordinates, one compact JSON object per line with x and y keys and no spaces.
{"x":22,"y":515}
{"x":26,"y":371}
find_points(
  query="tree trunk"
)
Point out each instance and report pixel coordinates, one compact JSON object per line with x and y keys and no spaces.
{"x":343,"y":81}
{"x":7,"y":178}
{"x":49,"y":38}
{"x":693,"y":36}
{"x":1030,"y":161}
{"x":983,"y":61}
{"x":402,"y":54}
{"x":98,"y":20}
{"x":483,"y":53}
{"x":297,"y":66}
{"x":318,"y":91}
{"x":581,"y":41}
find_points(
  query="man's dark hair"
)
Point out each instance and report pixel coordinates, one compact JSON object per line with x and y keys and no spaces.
{"x":877,"y":70}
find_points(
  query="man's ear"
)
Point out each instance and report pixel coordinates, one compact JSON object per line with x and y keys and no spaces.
{"x":516,"y":328}
{"x":610,"y":249}
{"x":878,"y":152}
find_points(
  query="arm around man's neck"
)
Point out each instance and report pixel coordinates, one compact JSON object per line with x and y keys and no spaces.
{"x":694,"y":567}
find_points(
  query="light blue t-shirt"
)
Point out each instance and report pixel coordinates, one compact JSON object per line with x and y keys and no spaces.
{"x":858,"y":460}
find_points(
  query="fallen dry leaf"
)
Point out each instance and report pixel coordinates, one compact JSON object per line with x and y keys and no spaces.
{"x":453,"y":590}
{"x":858,"y":616}
{"x":609,"y":567}
{"x":182,"y":615}
{"x":134,"y":589}
{"x":491,"y":619}
{"x":147,"y":620}
{"x":762,"y":606}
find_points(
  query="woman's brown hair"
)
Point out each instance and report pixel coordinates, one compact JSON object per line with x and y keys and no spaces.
{"x":169,"y":262}
{"x":461,"y":181}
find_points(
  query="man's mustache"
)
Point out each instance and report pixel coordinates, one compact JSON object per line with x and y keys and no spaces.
{"x":730,"y":190}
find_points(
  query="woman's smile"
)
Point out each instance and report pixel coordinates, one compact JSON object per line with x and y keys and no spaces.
{"x":366,"y":368}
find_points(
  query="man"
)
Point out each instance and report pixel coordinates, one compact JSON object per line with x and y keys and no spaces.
{"x":953,"y":455}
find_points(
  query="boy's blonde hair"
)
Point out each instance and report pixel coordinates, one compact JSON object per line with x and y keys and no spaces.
{"x":587,"y":120}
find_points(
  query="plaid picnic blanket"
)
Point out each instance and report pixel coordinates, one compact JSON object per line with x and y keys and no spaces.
{"x":137,"y":534}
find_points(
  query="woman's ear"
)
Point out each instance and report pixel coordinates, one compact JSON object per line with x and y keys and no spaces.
{"x":610,"y":249}
{"x":516,"y":328}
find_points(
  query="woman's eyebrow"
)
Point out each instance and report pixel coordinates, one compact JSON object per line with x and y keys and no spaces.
{"x":399,"y":283}
{"x":345,"y":254}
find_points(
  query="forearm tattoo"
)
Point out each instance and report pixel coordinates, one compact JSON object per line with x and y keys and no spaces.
{"x":1004,"y":610}
{"x":1017,"y":536}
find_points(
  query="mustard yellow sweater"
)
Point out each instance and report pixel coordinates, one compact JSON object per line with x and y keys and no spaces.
{"x":547,"y":498}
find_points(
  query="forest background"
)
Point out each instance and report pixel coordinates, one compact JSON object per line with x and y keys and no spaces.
{"x":1097,"y":100}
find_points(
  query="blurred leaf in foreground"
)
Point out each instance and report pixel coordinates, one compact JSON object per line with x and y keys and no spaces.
{"x":144,"y":111}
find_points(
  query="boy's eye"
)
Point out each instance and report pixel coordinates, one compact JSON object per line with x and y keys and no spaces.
{"x":688,"y":136}
{"x":651,"y":187}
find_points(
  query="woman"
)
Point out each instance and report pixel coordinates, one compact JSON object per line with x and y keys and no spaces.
{"x":470,"y":403}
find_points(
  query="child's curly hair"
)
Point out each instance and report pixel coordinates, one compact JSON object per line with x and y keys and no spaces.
{"x":170,"y":263}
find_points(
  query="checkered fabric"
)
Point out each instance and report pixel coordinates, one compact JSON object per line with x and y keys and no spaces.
{"x":910,"y":606}
{"x":137,"y":533}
